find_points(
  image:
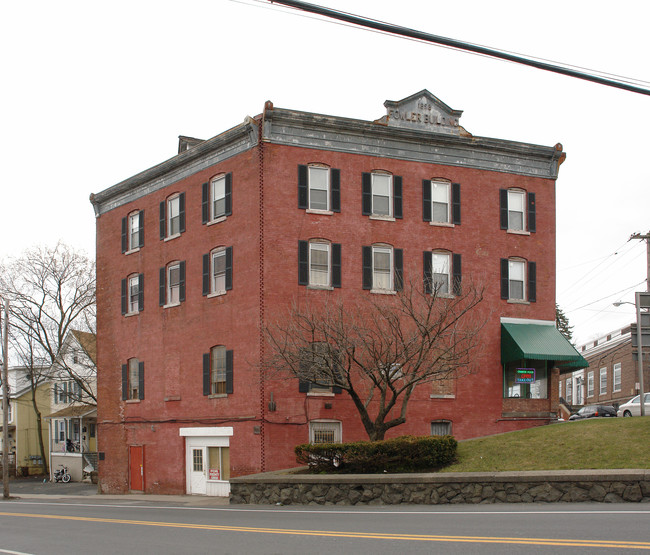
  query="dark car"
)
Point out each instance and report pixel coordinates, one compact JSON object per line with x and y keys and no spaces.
{"x":592,"y":411}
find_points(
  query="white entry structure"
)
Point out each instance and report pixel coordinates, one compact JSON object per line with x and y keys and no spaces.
{"x":207,"y":460}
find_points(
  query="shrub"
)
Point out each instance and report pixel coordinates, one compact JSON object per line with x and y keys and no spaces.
{"x":401,"y":454}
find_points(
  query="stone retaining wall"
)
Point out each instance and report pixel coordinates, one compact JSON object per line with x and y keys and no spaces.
{"x":609,"y":486}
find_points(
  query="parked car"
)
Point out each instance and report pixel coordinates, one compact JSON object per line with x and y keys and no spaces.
{"x":592,"y":411}
{"x":633,"y":407}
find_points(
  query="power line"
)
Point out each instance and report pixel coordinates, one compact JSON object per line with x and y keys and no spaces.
{"x":457,"y":44}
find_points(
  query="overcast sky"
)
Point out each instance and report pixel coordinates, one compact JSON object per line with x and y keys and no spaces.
{"x":96,"y":92}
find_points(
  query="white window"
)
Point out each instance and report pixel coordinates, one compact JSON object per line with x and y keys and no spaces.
{"x":173,"y":283}
{"x":617,"y":376}
{"x":173,"y":216}
{"x":133,"y":377}
{"x":218,"y":271}
{"x":133,"y":294}
{"x":319,"y":264}
{"x":319,"y":179}
{"x":517,"y":280}
{"x":590,"y":384}
{"x":218,"y":197}
{"x":441,"y":428}
{"x":324,"y":432}
{"x":603,"y":381}
{"x":569,"y":390}
{"x":134,"y":231}
{"x":382,"y":268}
{"x":440,"y":209}
{"x":61,"y":430}
{"x":516,"y":210}
{"x":441,"y":265}
{"x":218,"y":370}
{"x":382,"y":186}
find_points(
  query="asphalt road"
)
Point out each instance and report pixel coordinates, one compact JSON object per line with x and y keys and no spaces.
{"x":58,"y":524}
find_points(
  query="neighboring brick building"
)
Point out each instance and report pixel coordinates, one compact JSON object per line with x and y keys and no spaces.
{"x":612,"y":377}
{"x":197,"y":254}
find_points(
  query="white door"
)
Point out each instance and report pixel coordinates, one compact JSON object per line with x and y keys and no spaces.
{"x":197,"y":464}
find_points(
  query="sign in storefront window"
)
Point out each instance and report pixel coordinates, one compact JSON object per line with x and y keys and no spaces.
{"x":525,"y":380}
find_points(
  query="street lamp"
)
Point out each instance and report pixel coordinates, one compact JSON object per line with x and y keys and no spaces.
{"x":640,"y":298}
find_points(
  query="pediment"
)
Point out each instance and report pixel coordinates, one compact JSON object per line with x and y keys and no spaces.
{"x":423,"y":111}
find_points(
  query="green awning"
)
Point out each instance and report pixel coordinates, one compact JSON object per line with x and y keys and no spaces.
{"x":538,"y":342}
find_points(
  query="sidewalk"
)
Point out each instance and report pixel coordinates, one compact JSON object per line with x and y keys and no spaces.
{"x":35,"y":488}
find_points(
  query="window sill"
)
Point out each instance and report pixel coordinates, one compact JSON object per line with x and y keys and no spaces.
{"x":441,"y":224}
{"x":434,"y":396}
{"x":517,"y":301}
{"x":129,"y":314}
{"x":172,"y":305}
{"x":217,"y":396}
{"x":518,"y":232}
{"x":381,"y":218}
{"x":171,"y":237}
{"x":383,"y":292}
{"x":320,"y":212}
{"x":137,"y":249}
{"x":132,"y":401}
{"x":173,"y":398}
{"x":321,"y":287}
{"x":216,"y":294}
{"x":320,"y":394}
{"x":217,"y":220}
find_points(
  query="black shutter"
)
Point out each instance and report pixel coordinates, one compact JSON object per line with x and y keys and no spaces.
{"x":397,"y":197}
{"x":140,"y":292}
{"x":336,"y":265}
{"x":335,"y":190}
{"x":457,"y":274}
{"x":125,"y":382}
{"x":427,"y":271}
{"x":181,"y":212}
{"x":229,"y":371}
{"x":141,"y":228}
{"x":303,"y":263}
{"x":532,"y":282}
{"x":206,"y":274}
{"x":124,"y":237}
{"x":426,"y":200}
{"x":338,"y":372}
{"x":503,"y":207}
{"x":228,"y":194}
{"x":367,"y":267}
{"x":140,"y":380}
{"x":206,"y":373}
{"x":181,"y":285}
{"x":163,"y":216}
{"x":505,"y":278}
{"x":366,"y":194}
{"x":303,"y":386}
{"x":205,"y":203}
{"x":162,"y":286}
{"x":228,"y":268}
{"x":398,"y":266}
{"x":302,"y":186}
{"x":532,"y":219}
{"x":124,"y":296}
{"x":455,"y":203}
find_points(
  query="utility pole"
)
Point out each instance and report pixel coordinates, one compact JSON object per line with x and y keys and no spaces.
{"x":645,"y":238}
{"x":5,"y":402}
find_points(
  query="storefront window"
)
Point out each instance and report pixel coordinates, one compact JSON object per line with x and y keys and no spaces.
{"x":218,"y":463}
{"x":525,"y":379}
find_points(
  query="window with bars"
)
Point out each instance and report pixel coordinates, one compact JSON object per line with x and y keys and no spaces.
{"x":324,"y":432}
{"x":441,"y":428}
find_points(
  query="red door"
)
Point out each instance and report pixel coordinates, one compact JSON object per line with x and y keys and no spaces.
{"x":136,"y":467}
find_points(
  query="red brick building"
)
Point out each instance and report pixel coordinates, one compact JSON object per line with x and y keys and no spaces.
{"x":198,"y":253}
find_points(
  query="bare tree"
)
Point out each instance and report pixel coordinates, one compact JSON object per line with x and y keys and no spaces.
{"x":51,"y":290}
{"x":379,"y":348}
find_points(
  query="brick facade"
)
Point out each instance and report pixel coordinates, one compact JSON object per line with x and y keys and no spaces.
{"x":262,"y":157}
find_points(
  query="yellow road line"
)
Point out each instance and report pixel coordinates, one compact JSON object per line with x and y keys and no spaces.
{"x":612,"y":544}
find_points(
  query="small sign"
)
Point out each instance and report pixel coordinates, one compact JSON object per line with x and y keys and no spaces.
{"x":214,"y":474}
{"x":525,"y":375}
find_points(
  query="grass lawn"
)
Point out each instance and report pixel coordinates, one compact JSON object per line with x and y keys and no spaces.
{"x":585,"y":444}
